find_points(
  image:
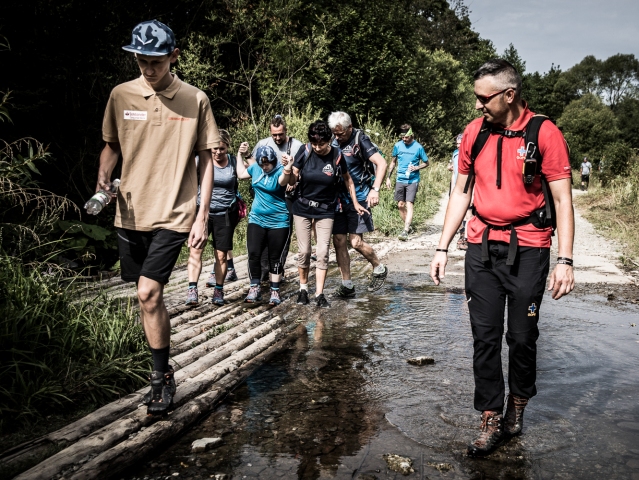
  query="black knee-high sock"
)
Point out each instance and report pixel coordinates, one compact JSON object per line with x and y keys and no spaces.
{"x":160,"y":359}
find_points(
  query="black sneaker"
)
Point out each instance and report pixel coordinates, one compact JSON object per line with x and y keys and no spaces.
{"x":302,"y":297}
{"x":377,"y":280}
{"x":321,"y":301}
{"x":344,"y":292}
{"x":160,"y":397}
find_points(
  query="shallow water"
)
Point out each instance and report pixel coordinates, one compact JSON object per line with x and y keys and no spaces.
{"x":343,"y":396}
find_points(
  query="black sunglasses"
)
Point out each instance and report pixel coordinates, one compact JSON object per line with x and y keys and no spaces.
{"x":485,"y":99}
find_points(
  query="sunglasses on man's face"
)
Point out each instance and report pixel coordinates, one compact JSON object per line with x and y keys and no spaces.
{"x":485,"y":99}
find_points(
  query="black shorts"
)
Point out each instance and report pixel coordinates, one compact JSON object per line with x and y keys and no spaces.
{"x":149,"y":254}
{"x":222,"y":228}
{"x":349,"y":221}
{"x":585,"y":178}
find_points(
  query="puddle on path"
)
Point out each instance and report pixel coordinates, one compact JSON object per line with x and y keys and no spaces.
{"x":343,"y":396}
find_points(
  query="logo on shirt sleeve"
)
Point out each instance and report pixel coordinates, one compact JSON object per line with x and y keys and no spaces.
{"x":134,"y":115}
{"x":328,"y":170}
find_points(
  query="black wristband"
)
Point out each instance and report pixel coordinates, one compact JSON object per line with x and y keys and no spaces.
{"x":445,"y":250}
{"x":564,"y":261}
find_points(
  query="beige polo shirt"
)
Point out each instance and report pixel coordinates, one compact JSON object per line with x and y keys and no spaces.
{"x":158,"y":133}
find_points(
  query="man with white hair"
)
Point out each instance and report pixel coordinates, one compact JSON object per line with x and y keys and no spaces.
{"x":366,"y":167}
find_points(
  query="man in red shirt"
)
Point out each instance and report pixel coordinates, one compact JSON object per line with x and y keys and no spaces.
{"x":510,"y":261}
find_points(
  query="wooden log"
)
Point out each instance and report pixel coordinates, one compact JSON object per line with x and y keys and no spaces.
{"x":124,"y":455}
{"x":181,"y":355}
{"x":116,"y":432}
{"x":241,"y":342}
{"x":197,"y":334}
{"x":98,"y":419}
{"x":43,"y":446}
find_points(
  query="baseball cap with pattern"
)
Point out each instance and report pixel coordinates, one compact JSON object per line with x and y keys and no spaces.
{"x":265,"y":152}
{"x":151,"y":38}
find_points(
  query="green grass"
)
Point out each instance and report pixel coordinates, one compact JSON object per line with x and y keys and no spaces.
{"x":614,"y":209}
{"x":58,"y":353}
{"x":434,"y":181}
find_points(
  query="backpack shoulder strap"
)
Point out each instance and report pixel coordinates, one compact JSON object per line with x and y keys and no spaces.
{"x":478,"y":146}
{"x":531,"y":139}
{"x":233,"y":161}
{"x":308,"y":151}
{"x":337,"y":157}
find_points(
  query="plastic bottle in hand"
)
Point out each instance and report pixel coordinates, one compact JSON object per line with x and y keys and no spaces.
{"x":97,"y":202}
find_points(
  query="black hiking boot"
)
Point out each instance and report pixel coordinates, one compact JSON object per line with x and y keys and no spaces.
{"x":514,"y":417}
{"x":491,"y":436}
{"x":160,"y":398}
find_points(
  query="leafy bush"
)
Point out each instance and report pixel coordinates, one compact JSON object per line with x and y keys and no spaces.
{"x":616,"y":159}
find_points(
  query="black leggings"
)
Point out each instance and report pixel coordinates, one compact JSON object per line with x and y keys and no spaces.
{"x":265,"y":261}
{"x":258,"y":239}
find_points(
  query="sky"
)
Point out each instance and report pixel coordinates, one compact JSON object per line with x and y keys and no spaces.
{"x":562,"y":32}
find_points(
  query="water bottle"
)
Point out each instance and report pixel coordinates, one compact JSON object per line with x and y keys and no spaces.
{"x":97,"y":202}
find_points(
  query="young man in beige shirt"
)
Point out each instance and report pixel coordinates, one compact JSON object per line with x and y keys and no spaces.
{"x":156,"y":122}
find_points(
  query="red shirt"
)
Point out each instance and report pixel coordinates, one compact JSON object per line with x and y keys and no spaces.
{"x":514,"y":200}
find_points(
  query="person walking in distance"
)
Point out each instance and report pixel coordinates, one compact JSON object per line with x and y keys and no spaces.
{"x":509,"y":241}
{"x":407,"y":154}
{"x":222,"y":222}
{"x":366,"y":168}
{"x":269,"y":222}
{"x":318,"y":168}
{"x":155,"y":123}
{"x":586,"y":168}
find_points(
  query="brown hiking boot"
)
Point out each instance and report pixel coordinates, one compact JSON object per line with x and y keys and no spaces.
{"x":491,"y":436}
{"x":514,"y":418}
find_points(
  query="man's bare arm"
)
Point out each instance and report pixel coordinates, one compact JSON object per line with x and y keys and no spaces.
{"x":199,"y":231}
{"x":457,"y":208}
{"x":380,"y":171}
{"x":108,"y":160}
{"x":562,"y":279}
{"x":391,"y":167}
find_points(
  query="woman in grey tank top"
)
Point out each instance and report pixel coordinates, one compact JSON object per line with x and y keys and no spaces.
{"x":223,"y":218}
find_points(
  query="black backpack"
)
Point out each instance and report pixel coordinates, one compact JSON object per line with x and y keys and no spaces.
{"x":541,"y":218}
{"x":368,"y":173}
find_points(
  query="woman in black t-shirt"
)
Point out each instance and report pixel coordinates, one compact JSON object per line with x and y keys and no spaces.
{"x":319,"y":168}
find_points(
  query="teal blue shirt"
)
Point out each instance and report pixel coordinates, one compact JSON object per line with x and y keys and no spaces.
{"x":269,"y":206}
{"x":408,"y":155}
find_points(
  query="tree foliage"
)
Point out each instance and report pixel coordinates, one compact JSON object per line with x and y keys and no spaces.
{"x":253,"y":58}
{"x":588,"y":126}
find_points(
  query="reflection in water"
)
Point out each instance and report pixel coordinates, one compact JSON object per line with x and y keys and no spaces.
{"x":343,"y":395}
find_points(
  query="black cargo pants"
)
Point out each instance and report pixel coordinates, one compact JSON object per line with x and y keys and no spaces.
{"x":488,"y":285}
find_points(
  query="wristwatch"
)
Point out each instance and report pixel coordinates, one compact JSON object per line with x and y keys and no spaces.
{"x":376,"y":189}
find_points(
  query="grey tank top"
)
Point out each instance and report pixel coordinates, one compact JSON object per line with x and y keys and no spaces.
{"x":223,"y":195}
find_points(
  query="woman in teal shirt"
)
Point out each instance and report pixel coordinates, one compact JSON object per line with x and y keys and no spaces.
{"x":268,"y":220}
